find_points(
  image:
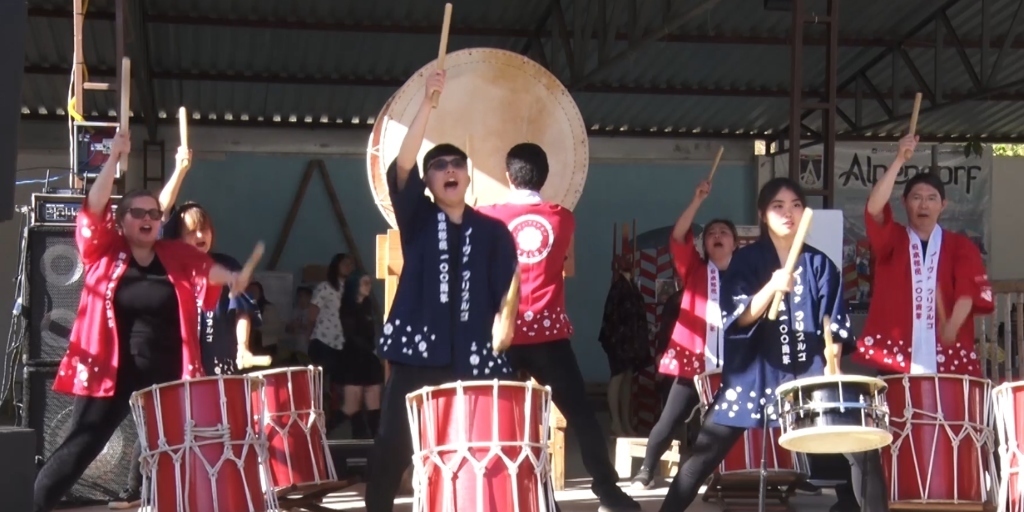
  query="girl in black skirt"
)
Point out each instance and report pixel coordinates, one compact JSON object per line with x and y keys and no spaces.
{"x":364,"y":373}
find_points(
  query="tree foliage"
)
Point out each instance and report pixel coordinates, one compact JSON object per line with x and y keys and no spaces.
{"x":1008,"y":149}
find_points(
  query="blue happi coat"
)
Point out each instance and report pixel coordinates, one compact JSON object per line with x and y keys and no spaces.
{"x":454,"y":277}
{"x":761,"y":356}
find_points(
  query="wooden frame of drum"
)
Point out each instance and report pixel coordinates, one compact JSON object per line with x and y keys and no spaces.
{"x":833,"y":414}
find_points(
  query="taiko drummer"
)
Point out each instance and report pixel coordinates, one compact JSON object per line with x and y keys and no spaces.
{"x":459,"y":266}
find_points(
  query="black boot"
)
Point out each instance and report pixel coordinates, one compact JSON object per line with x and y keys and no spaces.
{"x":373,"y":422}
{"x":359,"y":428}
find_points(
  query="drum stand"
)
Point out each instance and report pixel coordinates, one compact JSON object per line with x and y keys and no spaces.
{"x":310,"y":497}
{"x":762,"y":492}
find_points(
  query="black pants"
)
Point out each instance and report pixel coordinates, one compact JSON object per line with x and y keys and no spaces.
{"x":682,"y":398}
{"x":94,"y":421}
{"x":392,"y":448}
{"x":554,"y":364}
{"x":714,"y":442}
{"x":331,"y":361}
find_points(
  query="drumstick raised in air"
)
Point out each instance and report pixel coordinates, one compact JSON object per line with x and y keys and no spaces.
{"x":182,"y":127}
{"x":250,"y":265}
{"x":125,"y":113}
{"x":794,"y":255}
{"x":913,"y":123}
{"x":443,"y":49}
{"x":714,"y":166}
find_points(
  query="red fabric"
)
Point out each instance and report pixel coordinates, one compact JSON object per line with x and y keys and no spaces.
{"x":684,"y":356}
{"x":543,"y":232}
{"x":89,"y":367}
{"x":886,"y":340}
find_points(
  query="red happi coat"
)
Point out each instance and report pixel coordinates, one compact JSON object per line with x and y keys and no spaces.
{"x":89,"y":367}
{"x":886,"y":341}
{"x":684,"y":356}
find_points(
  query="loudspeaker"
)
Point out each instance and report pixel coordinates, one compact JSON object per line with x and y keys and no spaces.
{"x":55,"y":280}
{"x":13,"y":27}
{"x":18,"y":472}
{"x":49,"y":413}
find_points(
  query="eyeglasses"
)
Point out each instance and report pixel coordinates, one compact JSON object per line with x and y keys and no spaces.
{"x":141,"y":213}
{"x":440,"y":164}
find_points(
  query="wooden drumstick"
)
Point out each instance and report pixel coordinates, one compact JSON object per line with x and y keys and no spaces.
{"x":124,"y":114}
{"x":251,"y":361}
{"x":714,"y":166}
{"x":182,"y":127}
{"x":508,"y":314}
{"x":908,"y":154}
{"x":443,"y":49}
{"x":830,"y":356}
{"x":794,"y":255}
{"x":250,"y":265}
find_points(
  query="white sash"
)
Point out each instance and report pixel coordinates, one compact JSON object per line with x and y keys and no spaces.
{"x":714,"y":336}
{"x":923,"y":287}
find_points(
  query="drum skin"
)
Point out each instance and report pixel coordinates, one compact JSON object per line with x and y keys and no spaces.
{"x":924,"y":464}
{"x":293,"y":401}
{"x":493,"y":100}
{"x":452,"y":416}
{"x":745,"y":455}
{"x":1009,"y":411}
{"x":200,"y":401}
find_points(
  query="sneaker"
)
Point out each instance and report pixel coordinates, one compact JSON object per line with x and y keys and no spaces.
{"x":808,"y":489}
{"x":128,"y":499}
{"x":616,"y":500}
{"x":644,"y":479}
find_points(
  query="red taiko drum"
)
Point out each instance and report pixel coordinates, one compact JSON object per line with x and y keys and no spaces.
{"x":943,"y":448}
{"x":481,"y":446}
{"x":1008,"y":403}
{"x":293,"y":423}
{"x":202,"y":446}
{"x":745,"y":455}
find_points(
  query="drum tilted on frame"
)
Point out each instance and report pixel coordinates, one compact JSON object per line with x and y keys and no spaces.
{"x":833,"y":414}
{"x":481,"y":446}
{"x":493,"y":99}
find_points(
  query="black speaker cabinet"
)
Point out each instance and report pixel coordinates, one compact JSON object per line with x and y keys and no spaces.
{"x":55,"y":280}
{"x":13,"y":28}
{"x":18,"y":472}
{"x":49,"y":414}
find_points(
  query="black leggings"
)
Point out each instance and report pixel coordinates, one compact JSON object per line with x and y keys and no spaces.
{"x":714,"y":442}
{"x":682,"y":398}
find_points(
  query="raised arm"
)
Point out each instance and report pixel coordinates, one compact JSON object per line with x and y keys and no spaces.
{"x":182,"y":163}
{"x":413,"y":140}
{"x":99,"y":193}
{"x":681,"y":245}
{"x":882,"y":191}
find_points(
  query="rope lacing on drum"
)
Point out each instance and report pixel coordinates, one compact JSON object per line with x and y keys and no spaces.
{"x":1011,"y":456}
{"x":194,"y":438}
{"x":425,"y":460}
{"x":982,"y":436}
{"x":306,"y":419}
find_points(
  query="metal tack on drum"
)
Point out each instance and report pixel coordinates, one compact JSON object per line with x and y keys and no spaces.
{"x":493,"y":100}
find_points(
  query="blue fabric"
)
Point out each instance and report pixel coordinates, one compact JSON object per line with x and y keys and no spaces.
{"x":217,"y":328}
{"x":454,"y":277}
{"x":761,"y":356}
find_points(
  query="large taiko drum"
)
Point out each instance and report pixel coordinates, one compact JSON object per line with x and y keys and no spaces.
{"x":493,"y":99}
{"x":203,"y":446}
{"x":1008,"y":406}
{"x":943,"y":446}
{"x":293,"y":423}
{"x":745,"y":455}
{"x":481,"y":446}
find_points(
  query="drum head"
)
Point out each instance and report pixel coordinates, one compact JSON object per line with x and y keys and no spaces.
{"x":876,"y":384}
{"x":832,"y":440}
{"x":493,"y":100}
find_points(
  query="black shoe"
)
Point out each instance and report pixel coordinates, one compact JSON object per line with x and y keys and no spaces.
{"x":846,"y":500}
{"x":644,"y":479}
{"x":808,"y":489}
{"x":614,"y":499}
{"x":128,"y":499}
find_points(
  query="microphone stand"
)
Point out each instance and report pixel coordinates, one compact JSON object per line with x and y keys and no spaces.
{"x":762,"y":494}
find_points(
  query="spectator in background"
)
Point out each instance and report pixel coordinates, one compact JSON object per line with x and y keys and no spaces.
{"x":364,"y":372}
{"x":264,"y":339}
{"x":328,"y":338}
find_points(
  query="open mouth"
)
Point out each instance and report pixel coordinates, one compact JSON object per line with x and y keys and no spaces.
{"x":145,"y":229}
{"x":201,"y":245}
{"x":451,"y":184}
{"x":922,"y":215}
{"x":718,"y":245}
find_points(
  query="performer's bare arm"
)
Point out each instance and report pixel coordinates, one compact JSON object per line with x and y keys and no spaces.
{"x":781,"y":281}
{"x":961,"y":310}
{"x":417,"y":129}
{"x":99,"y":194}
{"x":505,"y":320}
{"x":882,"y":190}
{"x":686,"y":219}
{"x":243,"y":326}
{"x":182,"y":163}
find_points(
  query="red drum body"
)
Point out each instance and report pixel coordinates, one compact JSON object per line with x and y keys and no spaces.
{"x":745,"y":455}
{"x":202,"y":446}
{"x":943,"y":448}
{"x":293,"y":424}
{"x":1008,"y":404}
{"x":481,"y":447}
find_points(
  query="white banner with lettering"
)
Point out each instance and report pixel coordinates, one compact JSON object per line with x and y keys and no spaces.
{"x":968,"y":183}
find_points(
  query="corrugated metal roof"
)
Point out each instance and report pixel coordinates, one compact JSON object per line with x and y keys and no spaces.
{"x":722,"y":79}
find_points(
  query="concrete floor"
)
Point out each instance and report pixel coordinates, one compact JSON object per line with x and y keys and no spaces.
{"x":577,"y":496}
